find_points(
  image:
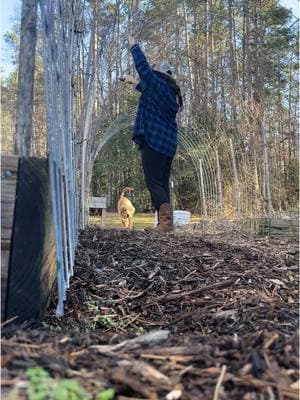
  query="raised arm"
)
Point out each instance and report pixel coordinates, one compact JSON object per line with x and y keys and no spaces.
{"x":142,"y":66}
{"x":148,"y":78}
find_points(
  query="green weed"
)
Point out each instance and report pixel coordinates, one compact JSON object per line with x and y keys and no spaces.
{"x":42,"y":387}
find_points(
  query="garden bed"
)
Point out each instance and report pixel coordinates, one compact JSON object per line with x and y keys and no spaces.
{"x":178,"y":316}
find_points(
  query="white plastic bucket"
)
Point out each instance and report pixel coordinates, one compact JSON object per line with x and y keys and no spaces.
{"x":179,"y":217}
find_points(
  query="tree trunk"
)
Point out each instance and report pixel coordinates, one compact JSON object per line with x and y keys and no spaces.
{"x":26,"y":78}
{"x":236,"y":184}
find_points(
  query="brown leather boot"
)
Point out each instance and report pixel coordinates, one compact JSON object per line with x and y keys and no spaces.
{"x":165,"y":219}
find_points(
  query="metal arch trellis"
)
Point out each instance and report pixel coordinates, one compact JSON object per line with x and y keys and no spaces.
{"x":203,"y":151}
{"x":58,"y":42}
{"x":243,"y":171}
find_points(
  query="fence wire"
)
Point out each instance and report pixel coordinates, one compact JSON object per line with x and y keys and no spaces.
{"x":58,"y":41}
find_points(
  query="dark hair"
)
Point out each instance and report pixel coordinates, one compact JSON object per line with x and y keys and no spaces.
{"x":172,"y":83}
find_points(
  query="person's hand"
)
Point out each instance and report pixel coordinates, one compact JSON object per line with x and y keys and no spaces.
{"x":131,"y":41}
{"x":130,"y":79}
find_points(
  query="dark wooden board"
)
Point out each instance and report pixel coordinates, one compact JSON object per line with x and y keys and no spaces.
{"x":32,"y":270}
{"x":9,"y":171}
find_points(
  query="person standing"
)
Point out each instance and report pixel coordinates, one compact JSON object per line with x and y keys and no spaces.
{"x":155,"y":129}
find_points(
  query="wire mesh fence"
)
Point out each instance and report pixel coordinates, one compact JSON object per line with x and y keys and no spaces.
{"x":58,"y":43}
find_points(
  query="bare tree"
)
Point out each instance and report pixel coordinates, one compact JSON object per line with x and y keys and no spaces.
{"x":26,"y":78}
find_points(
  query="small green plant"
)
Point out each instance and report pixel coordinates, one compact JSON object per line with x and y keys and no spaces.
{"x":139,"y":330}
{"x":105,"y":321}
{"x":42,"y":387}
{"x":107,"y":394}
{"x":70,"y":389}
{"x":39,"y":383}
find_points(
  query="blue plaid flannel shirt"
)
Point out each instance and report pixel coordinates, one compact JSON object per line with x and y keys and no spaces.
{"x":156,"y":115}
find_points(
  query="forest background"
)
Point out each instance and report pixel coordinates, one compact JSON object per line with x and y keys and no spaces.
{"x":237,"y":65}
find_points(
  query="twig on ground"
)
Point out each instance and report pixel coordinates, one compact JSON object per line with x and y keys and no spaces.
{"x":219,"y":383}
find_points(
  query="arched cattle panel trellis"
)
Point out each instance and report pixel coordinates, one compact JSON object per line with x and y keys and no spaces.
{"x":202,"y":149}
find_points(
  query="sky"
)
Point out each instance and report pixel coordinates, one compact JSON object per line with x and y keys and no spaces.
{"x":9,"y":9}
{"x":12,"y":8}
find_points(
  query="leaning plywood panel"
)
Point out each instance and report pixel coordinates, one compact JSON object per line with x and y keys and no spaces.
{"x":32,"y":266}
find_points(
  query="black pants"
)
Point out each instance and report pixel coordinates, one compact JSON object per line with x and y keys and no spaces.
{"x":157,"y":170}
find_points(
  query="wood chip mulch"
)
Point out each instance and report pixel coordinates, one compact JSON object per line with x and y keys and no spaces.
{"x":176,"y":316}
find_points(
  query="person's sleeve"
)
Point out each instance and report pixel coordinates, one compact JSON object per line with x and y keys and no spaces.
{"x":150,"y":80}
{"x":140,"y":87}
{"x":143,"y":68}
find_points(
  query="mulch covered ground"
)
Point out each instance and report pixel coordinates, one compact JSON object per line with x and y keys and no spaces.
{"x":171,"y":317}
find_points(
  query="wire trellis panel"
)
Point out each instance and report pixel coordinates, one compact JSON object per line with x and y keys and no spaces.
{"x":58,"y":42}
